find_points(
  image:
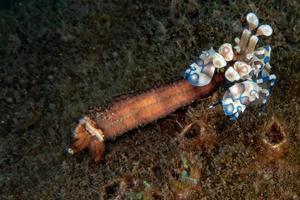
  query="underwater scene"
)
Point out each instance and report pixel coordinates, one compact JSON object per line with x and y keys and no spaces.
{"x":153,"y":99}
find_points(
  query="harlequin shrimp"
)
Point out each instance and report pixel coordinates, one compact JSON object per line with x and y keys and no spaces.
{"x":246,"y":68}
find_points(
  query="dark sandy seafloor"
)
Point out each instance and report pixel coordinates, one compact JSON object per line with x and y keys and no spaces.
{"x":59,"y":58}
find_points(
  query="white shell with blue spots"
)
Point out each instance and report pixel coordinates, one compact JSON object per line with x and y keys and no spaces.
{"x":245,"y":69}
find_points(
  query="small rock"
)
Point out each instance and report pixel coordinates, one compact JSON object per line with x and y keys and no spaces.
{"x":115,"y":54}
{"x":9,"y":100}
